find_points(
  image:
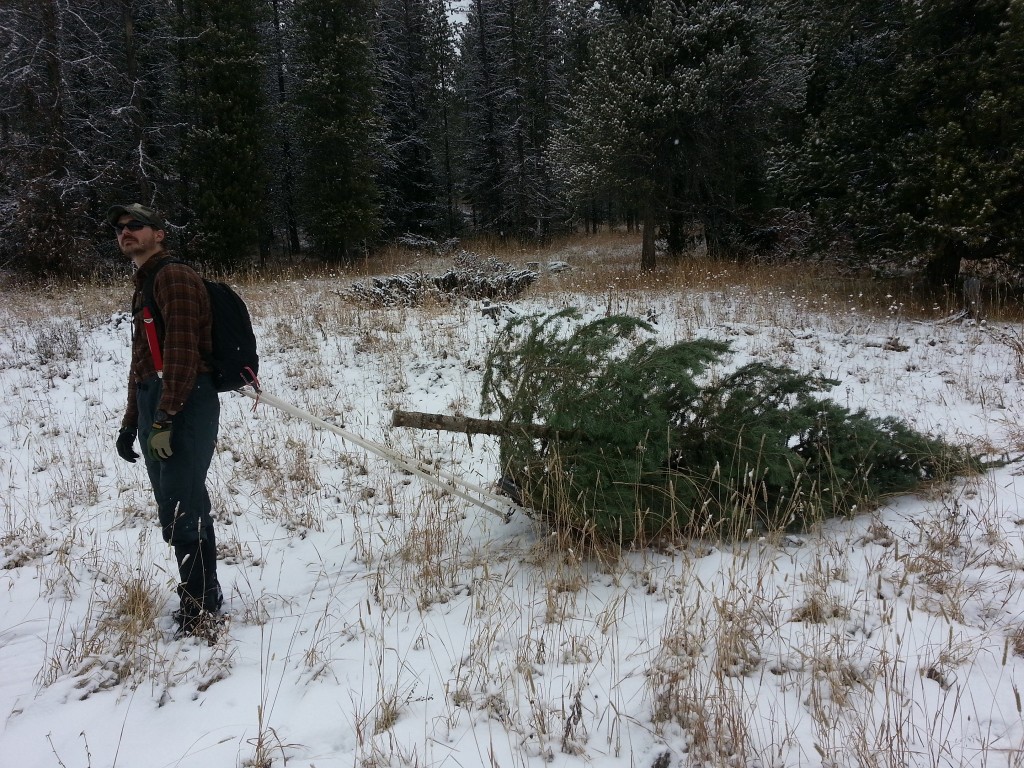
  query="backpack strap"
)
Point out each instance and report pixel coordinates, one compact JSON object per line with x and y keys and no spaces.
{"x":152,"y":320}
{"x":148,"y":299}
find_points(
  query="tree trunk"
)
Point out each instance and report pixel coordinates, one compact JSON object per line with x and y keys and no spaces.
{"x":466,"y":424}
{"x":944,"y":266}
{"x":291,"y":222}
{"x":676,"y":236}
{"x":648,"y":258}
{"x":131,"y":54}
{"x":184,"y":200}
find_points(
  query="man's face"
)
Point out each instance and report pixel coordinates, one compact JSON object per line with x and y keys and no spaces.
{"x":138,"y":240}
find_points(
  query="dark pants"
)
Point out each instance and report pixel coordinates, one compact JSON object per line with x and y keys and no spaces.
{"x":179,"y":486}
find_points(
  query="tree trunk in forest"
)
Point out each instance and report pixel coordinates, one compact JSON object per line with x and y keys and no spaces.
{"x":291,"y":221}
{"x":131,"y":55}
{"x":648,"y":258}
{"x":449,"y":175}
{"x":676,"y":236}
{"x":944,"y":266}
{"x":182,"y":83}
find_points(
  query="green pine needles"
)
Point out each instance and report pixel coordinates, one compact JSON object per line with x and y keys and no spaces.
{"x":644,"y":443}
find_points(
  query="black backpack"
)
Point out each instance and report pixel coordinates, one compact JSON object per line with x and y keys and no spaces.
{"x":234,"y":359}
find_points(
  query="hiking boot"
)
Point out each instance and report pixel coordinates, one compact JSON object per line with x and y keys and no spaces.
{"x":213,"y":598}
{"x":204,"y":625}
{"x":180,"y":616}
{"x":212,"y":602}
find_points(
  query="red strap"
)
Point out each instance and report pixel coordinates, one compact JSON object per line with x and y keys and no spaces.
{"x":154,"y":342}
{"x":253,"y":381}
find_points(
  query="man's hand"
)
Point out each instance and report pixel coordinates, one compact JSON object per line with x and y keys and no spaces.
{"x":126,"y":444}
{"x":159,"y":443}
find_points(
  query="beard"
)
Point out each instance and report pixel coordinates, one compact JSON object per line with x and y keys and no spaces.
{"x":140,"y":247}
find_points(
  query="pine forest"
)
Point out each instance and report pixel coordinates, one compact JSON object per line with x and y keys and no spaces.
{"x":889,"y":131}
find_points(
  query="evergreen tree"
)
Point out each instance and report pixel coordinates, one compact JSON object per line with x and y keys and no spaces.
{"x":914,"y":131}
{"x":579,"y":22}
{"x":640,"y":448}
{"x":223,"y":146}
{"x":677,"y":110}
{"x":414,"y":52}
{"x":511,"y":85}
{"x":337,"y":124}
{"x":482,"y":143}
{"x":962,"y":188}
{"x":450,"y":120}
{"x":282,"y":202}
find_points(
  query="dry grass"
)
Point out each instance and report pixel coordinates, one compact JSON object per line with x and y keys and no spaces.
{"x":117,"y":643}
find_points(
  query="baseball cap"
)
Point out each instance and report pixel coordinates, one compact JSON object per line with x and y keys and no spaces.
{"x":138,"y":212}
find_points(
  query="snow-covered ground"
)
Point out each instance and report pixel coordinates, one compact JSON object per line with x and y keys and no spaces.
{"x":374,"y":620}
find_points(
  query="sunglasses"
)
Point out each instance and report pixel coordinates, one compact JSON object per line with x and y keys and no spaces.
{"x":132,"y":225}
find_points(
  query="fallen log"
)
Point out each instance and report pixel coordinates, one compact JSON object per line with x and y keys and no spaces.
{"x":467,"y":424}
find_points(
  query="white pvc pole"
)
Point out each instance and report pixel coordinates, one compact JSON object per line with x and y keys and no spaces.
{"x":439,"y":477}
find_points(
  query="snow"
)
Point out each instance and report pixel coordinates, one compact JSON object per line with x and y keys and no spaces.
{"x":374,"y":620}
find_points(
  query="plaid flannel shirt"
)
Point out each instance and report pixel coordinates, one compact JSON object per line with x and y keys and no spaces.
{"x":184,"y":305}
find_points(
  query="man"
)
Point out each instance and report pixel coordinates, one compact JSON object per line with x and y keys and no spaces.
{"x":174,"y":412}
